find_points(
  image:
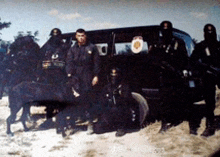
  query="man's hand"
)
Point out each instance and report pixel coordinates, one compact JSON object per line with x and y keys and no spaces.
{"x":76,"y":94}
{"x":95,"y":80}
{"x":69,"y":75}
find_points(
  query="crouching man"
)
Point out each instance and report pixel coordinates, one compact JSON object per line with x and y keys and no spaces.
{"x":121,"y":111}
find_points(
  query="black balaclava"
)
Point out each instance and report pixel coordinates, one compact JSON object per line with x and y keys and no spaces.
{"x":210,"y":33}
{"x":55,"y":37}
{"x":166,"y":29}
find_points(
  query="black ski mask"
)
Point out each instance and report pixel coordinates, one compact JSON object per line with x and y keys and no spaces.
{"x":166,"y":30}
{"x":210,"y":33}
{"x":55,"y":37}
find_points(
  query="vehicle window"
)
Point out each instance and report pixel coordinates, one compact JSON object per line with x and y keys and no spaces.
{"x":190,"y":45}
{"x":73,"y":42}
{"x":126,"y":48}
{"x":188,"y":42}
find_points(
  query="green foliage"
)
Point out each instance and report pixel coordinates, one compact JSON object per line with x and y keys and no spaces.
{"x":4,"y":24}
{"x":28,"y":33}
{"x":195,"y":41}
{"x":5,"y":44}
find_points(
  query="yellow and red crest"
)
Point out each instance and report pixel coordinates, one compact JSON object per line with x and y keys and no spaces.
{"x":137,"y":44}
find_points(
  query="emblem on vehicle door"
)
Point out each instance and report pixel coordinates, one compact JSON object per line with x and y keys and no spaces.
{"x":137,"y":44}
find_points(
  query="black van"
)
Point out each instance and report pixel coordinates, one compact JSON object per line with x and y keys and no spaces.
{"x":127,"y":49}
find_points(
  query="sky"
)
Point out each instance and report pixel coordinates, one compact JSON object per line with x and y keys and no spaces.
{"x":69,"y":15}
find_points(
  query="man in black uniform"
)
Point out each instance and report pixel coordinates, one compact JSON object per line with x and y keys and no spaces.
{"x":53,"y":55}
{"x":82,"y":67}
{"x":120,"y":111}
{"x":170,"y":54}
{"x":208,"y":53}
{"x":52,"y":64}
{"x":83,"y":63}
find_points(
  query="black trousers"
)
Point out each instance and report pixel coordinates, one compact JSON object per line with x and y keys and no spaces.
{"x":209,"y":95}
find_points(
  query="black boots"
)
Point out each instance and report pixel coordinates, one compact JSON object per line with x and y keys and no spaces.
{"x":120,"y":132}
{"x":210,"y":129}
{"x":194,"y":124}
{"x":193,"y":131}
{"x":165,"y":126}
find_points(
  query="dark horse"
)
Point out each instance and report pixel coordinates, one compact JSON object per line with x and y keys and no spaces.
{"x":20,"y":63}
{"x":24,"y":94}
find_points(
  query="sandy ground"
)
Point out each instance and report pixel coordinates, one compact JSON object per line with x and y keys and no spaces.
{"x":144,"y":143}
{"x":46,"y":143}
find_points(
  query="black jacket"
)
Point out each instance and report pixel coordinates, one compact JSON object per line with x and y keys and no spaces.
{"x":173,"y":53}
{"x":207,"y":53}
{"x":83,"y":63}
{"x":52,"y":64}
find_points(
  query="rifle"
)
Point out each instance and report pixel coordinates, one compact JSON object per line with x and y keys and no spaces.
{"x":215,"y":71}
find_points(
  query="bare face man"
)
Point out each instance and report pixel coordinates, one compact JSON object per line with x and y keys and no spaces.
{"x":81,"y":38}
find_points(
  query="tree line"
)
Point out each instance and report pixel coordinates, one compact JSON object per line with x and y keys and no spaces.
{"x":5,"y":44}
